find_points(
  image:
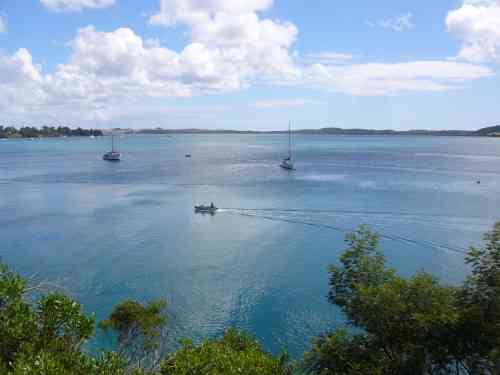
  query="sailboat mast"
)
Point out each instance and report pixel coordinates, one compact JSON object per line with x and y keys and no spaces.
{"x":112,"y":143}
{"x":290,"y":140}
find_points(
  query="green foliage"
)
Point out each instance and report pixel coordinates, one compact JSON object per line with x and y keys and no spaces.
{"x":50,"y":363}
{"x":138,"y":328}
{"x":482,"y":288}
{"x":405,"y":310}
{"x":362,"y":264}
{"x":234,"y":354}
{"x":17,"y":320}
{"x":62,"y":324}
{"x":46,"y":131}
{"x":411,"y":325}
{"x":480,"y":302}
{"x":340,"y":353}
{"x":44,"y":337}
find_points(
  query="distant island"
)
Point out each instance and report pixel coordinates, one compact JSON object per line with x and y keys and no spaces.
{"x":64,"y":131}
{"x":46,"y":132}
{"x":492,"y":131}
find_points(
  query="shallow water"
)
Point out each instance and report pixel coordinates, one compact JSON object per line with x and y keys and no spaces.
{"x":109,"y":231}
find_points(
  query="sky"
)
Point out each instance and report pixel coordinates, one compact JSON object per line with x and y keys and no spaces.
{"x":250,"y":64}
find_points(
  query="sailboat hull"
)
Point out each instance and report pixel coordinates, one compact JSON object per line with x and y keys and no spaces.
{"x":112,"y":156}
{"x":287,"y":165}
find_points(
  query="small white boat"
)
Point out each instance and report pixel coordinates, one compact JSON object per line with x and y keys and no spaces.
{"x":287,"y":162}
{"x":188,"y":155}
{"x":112,"y":155}
{"x":202,"y":209}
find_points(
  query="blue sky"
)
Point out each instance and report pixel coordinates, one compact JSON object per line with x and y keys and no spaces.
{"x":250,"y":64}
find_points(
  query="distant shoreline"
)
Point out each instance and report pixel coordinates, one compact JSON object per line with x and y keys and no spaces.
{"x":23,"y":133}
{"x":493,"y":131}
{"x":27,"y":132}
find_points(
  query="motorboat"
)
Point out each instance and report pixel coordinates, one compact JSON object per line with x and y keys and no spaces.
{"x":202,"y":209}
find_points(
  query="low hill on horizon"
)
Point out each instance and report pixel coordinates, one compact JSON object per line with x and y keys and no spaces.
{"x":487,"y":131}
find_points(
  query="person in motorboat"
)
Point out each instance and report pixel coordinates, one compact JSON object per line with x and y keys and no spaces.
{"x":202,"y":208}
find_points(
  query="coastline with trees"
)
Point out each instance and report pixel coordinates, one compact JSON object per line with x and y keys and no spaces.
{"x":47,"y":132}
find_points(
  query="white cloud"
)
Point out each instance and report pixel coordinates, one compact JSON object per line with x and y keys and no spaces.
{"x":18,"y":68}
{"x":283,"y":103}
{"x":393,"y":78}
{"x":20,"y":82}
{"x":122,"y":62}
{"x":3,"y":25}
{"x":477,"y":24}
{"x":75,"y":5}
{"x":400,"y":23}
{"x":202,"y":11}
{"x":243,"y":43}
{"x":108,"y":68}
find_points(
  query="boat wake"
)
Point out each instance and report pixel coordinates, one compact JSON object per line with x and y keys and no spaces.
{"x":258,"y":214}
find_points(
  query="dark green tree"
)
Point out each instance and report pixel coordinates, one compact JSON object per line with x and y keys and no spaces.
{"x":340,"y":353}
{"x":17,"y":320}
{"x":479,"y":301}
{"x":62,"y":324}
{"x":410,"y":325}
{"x":139,"y":330}
{"x":234,"y":354}
{"x":49,"y":331}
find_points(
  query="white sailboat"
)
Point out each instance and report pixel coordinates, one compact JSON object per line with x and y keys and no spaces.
{"x":112,"y":155}
{"x":287,"y":162}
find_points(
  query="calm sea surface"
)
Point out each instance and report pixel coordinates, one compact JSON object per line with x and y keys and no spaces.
{"x":110,"y":231}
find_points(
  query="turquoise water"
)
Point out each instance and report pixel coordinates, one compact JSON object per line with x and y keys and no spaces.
{"x":109,"y":231}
